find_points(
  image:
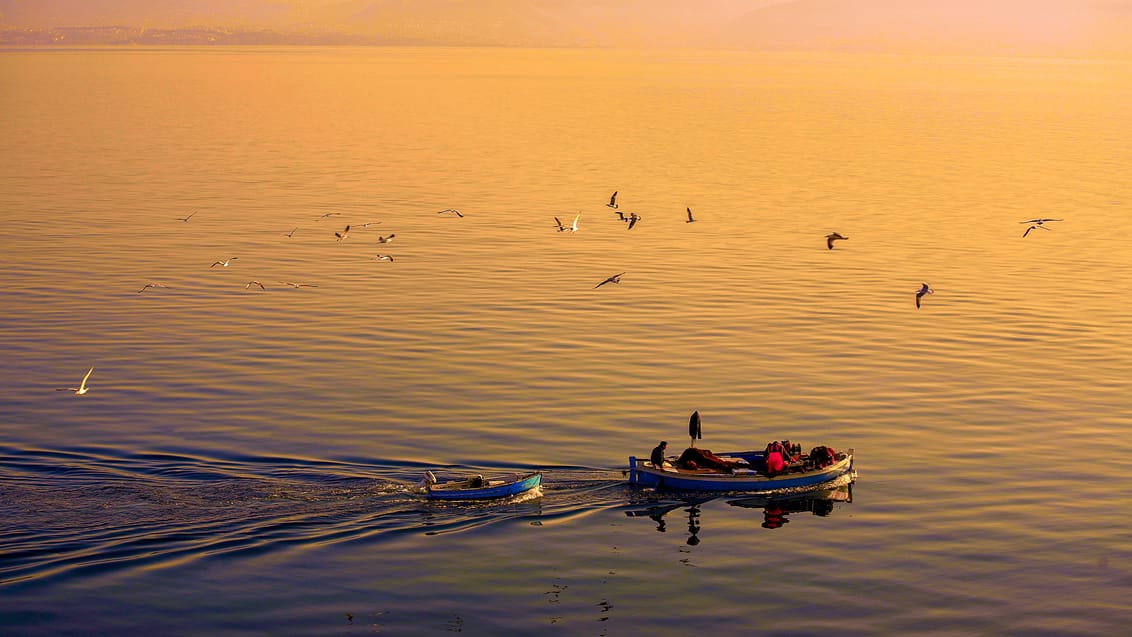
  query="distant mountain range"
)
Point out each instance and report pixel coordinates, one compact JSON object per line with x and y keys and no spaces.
{"x":1025,"y":27}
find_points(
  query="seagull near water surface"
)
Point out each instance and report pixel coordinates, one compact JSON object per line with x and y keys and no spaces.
{"x":573,"y":228}
{"x":381,"y":239}
{"x":152,"y":285}
{"x":831,"y":237}
{"x":1037,"y":223}
{"x":223,"y":263}
{"x":453,"y":210}
{"x":345,"y":233}
{"x":298,"y":285}
{"x":82,"y":388}
{"x":612,"y":201}
{"x":251,"y":283}
{"x":186,"y":219}
{"x":924,"y":289}
{"x":616,"y":278}
{"x":690,"y":218}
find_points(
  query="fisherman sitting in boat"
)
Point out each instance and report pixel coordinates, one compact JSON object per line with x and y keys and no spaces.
{"x":777,"y":458}
{"x":694,"y":458}
{"x":657,"y":456}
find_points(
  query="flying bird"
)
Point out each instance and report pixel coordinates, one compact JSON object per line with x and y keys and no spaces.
{"x":152,"y":285}
{"x":458,"y":213}
{"x":1037,"y":223}
{"x":384,"y":257}
{"x":573,"y":228}
{"x":82,"y":388}
{"x":616,"y":278}
{"x":327,"y":214}
{"x":831,"y":237}
{"x":633,"y":219}
{"x":186,"y":219}
{"x":381,"y":239}
{"x":612,"y":200}
{"x":251,"y":283}
{"x":223,"y":263}
{"x":690,"y":219}
{"x":345,"y":233}
{"x":370,"y":223}
{"x":291,"y":233}
{"x":924,"y":289}
{"x":621,"y":216}
{"x":298,"y":285}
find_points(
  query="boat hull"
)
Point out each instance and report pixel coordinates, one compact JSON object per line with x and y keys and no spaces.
{"x":644,"y":474}
{"x":457,"y":491}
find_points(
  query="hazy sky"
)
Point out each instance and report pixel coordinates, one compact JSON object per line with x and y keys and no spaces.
{"x":1031,"y":26}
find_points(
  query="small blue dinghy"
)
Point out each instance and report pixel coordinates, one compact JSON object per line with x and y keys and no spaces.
{"x":480,"y":488}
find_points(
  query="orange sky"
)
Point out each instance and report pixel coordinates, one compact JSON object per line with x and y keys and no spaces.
{"x":1038,"y":27}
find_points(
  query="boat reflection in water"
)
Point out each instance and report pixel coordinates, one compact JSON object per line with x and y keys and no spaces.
{"x":776,"y":508}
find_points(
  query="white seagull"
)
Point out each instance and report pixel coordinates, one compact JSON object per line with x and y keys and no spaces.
{"x":251,"y":283}
{"x":458,"y":213}
{"x":327,"y":214}
{"x":345,"y":233}
{"x":82,"y":388}
{"x":381,"y":239}
{"x":152,"y":285}
{"x":1036,"y":223}
{"x":690,"y":219}
{"x":612,"y":200}
{"x":384,"y":257}
{"x":616,"y":278}
{"x":223,"y":263}
{"x":633,"y":219}
{"x":298,"y":285}
{"x":186,"y":219}
{"x":924,"y":289}
{"x":573,"y":228}
{"x":831,"y":237}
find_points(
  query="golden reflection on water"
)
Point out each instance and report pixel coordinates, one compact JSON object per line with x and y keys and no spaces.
{"x":485,"y":342}
{"x":927,"y":165}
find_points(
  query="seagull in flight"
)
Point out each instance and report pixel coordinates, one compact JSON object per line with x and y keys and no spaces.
{"x":573,"y":228}
{"x":613,"y":201}
{"x":924,"y":289}
{"x":384,"y":257}
{"x":831,"y":237}
{"x":690,"y":219}
{"x":152,"y":285}
{"x":223,"y":263}
{"x":327,"y":214}
{"x":458,"y":213}
{"x":616,"y":278}
{"x":345,"y":233}
{"x":1036,"y":223}
{"x":621,"y":216}
{"x":81,"y":389}
{"x":633,"y":219}
{"x":251,"y":283}
{"x":186,"y":219}
{"x":298,"y":285}
{"x":370,"y":223}
{"x":291,"y":233}
{"x":381,"y":239}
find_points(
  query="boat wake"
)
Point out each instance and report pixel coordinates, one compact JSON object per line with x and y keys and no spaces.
{"x":77,"y":512}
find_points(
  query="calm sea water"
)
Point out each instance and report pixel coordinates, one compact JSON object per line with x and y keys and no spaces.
{"x":243,"y":460}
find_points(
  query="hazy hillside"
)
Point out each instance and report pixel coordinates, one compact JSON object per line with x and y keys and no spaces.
{"x":1031,"y":27}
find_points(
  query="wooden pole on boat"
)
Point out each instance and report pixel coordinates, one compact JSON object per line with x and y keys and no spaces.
{"x":694,"y":427}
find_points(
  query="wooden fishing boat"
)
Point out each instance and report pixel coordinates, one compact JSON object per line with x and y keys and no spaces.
{"x":746,"y":471}
{"x":480,"y":488}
